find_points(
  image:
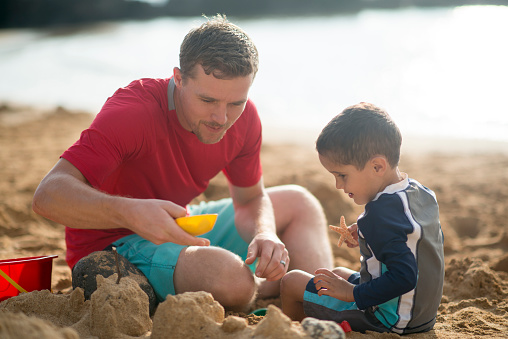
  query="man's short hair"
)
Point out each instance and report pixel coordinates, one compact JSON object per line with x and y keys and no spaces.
{"x":359,"y":133}
{"x":222,"y":48}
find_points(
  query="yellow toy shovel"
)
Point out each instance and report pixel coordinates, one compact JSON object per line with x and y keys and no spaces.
{"x":197,"y":224}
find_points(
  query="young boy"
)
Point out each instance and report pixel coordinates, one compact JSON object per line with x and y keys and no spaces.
{"x":400,"y":283}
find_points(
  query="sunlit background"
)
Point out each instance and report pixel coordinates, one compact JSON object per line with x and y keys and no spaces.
{"x":440,"y":72}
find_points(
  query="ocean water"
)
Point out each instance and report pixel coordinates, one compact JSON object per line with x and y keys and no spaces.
{"x":441,"y":73}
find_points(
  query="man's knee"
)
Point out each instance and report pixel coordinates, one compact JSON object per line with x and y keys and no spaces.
{"x":238,"y":289}
{"x":295,"y":191}
{"x":294,"y":196}
{"x":296,"y":203}
{"x":217,"y":271}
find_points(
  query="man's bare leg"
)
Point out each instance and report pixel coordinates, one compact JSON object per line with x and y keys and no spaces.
{"x":301,"y":225}
{"x":218,"y":271}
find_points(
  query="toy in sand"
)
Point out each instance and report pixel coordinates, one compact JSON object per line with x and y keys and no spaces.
{"x":344,"y":232}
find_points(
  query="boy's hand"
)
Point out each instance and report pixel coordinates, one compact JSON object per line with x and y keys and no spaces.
{"x":346,"y":234}
{"x":353,"y":230}
{"x":330,"y":284}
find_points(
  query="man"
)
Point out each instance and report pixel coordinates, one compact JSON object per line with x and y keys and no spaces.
{"x":153,"y":148}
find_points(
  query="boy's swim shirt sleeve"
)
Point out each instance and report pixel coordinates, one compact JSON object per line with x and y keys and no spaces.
{"x":392,"y":268}
{"x":402,"y":257}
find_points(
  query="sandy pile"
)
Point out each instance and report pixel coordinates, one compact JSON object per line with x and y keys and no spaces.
{"x":472,"y":190}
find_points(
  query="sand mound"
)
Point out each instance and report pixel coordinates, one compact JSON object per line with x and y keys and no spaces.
{"x":18,"y":325}
{"x":115,"y":310}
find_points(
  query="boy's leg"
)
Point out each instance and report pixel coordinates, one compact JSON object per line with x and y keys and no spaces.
{"x":344,"y":272}
{"x":301,"y":225}
{"x":292,"y":288}
{"x":300,"y":299}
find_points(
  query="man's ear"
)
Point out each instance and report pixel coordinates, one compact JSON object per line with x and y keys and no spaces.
{"x":177,"y":76}
{"x":379,"y":165}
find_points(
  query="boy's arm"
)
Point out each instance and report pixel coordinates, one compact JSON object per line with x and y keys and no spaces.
{"x":386,"y":230}
{"x":400,"y":277}
{"x":389,"y":285}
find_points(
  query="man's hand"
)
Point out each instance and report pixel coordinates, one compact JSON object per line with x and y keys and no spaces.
{"x":273,"y":256}
{"x":65,"y":196}
{"x":255,"y":219}
{"x":154,"y":220}
{"x":329,"y":283}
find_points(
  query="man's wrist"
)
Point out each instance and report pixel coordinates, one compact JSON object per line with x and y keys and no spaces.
{"x":118,"y":209}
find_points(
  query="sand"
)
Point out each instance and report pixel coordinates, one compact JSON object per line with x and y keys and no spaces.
{"x":471,"y":185}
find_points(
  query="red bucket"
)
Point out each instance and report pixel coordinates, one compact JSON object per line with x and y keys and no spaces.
{"x":25,"y":274}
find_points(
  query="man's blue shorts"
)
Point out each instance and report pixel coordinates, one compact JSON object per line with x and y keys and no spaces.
{"x":158,"y":262}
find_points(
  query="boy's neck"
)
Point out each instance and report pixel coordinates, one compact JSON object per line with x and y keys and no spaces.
{"x":392,"y":176}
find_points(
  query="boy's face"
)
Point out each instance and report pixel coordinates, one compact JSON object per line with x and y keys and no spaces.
{"x":207,"y":106}
{"x":360,"y":185}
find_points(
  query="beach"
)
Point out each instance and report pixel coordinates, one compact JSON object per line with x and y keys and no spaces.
{"x":470,"y":179}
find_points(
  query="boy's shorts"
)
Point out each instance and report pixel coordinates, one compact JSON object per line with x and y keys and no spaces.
{"x":329,"y":308}
{"x":313,"y":303}
{"x":158,"y":262}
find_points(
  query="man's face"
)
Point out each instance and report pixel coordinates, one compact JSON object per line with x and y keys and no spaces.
{"x":207,"y":106}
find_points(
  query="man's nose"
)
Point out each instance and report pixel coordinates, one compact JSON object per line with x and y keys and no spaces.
{"x":220,"y":114}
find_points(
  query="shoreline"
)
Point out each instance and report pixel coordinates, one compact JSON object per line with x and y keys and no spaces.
{"x":410,"y":143}
{"x":14,"y":113}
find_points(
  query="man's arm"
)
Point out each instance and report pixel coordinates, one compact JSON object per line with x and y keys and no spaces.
{"x":255,"y":222}
{"x":66,"y":197}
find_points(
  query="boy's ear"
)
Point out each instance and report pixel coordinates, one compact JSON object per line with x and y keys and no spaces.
{"x":379,"y":164}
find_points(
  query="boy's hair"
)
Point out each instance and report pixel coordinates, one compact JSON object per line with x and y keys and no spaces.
{"x":222,"y":48}
{"x":359,"y":133}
